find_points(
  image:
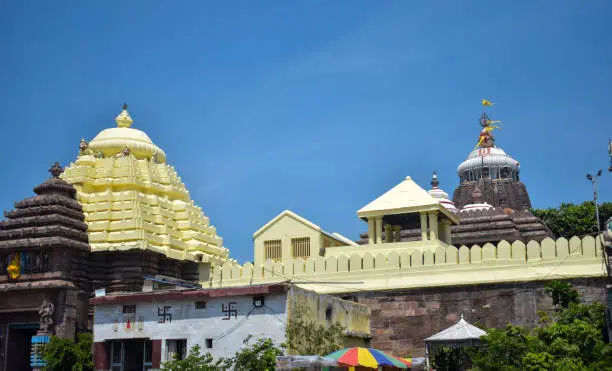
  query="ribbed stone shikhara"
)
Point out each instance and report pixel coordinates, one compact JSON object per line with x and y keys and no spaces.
{"x":44,"y":248}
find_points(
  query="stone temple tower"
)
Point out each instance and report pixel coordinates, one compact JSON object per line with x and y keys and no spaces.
{"x":492,"y":202}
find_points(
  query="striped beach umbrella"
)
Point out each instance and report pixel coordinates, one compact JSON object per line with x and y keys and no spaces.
{"x":366,"y":357}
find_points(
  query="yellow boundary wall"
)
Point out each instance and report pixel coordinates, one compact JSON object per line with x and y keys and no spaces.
{"x":417,"y":268}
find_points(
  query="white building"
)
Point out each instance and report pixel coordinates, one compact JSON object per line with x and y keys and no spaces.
{"x":139,"y":331}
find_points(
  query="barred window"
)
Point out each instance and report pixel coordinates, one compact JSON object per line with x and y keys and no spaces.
{"x":273,"y":250}
{"x":300,"y":247}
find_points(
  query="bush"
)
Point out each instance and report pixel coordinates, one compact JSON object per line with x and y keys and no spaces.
{"x":66,"y":354}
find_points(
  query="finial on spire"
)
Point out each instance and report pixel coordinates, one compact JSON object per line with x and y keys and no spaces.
{"x":123,"y":119}
{"x":434,"y":180}
{"x":56,"y":170}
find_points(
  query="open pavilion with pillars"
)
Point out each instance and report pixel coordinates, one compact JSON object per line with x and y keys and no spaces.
{"x":407,"y":206}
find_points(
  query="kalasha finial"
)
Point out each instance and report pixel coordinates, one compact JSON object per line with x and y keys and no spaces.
{"x":56,"y":170}
{"x":434,"y":180}
{"x":123,"y":119}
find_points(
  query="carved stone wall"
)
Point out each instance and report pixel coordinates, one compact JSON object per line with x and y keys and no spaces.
{"x":401,"y":319}
{"x":503,"y":193}
{"x":124,"y":271}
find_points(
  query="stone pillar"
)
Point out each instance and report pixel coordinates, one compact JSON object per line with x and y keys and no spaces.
{"x":388,"y":234}
{"x":371,"y":230}
{"x":397,"y":232}
{"x":379,"y":229}
{"x":101,"y":356}
{"x":424,"y":226}
{"x":433,"y":225}
{"x":445,"y":231}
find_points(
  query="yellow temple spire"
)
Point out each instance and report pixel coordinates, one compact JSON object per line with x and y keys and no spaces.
{"x":124,"y":120}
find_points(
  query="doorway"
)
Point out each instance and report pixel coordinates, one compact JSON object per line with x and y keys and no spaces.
{"x":19,"y":345}
{"x":131,"y":355}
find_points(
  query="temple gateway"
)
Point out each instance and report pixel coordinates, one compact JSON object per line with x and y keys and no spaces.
{"x":117,"y":228}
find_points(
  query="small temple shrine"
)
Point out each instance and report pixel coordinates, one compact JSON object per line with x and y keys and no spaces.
{"x":45,"y":253}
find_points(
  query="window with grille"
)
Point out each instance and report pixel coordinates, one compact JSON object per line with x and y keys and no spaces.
{"x":300,"y":247}
{"x":273,"y":249}
{"x":200,"y":305}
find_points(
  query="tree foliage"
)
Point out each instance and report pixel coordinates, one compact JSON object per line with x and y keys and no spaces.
{"x":570,"y":220}
{"x":194,"y":361}
{"x":306,"y":336}
{"x":67,"y":355}
{"x":571,"y":339}
{"x":259,"y":356}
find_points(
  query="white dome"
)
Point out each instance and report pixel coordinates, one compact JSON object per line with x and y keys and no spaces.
{"x":488,"y":163}
{"x":112,"y":141}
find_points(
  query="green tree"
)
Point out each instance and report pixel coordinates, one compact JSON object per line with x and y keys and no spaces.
{"x":570,"y":339}
{"x":260,"y":356}
{"x":67,"y":355}
{"x":305,"y":336}
{"x":449,"y":359}
{"x":195,"y":361}
{"x":570,"y":220}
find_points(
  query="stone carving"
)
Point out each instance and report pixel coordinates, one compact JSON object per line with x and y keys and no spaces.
{"x":56,"y":170}
{"x":155,"y":158}
{"x":486,"y":139}
{"x":46,"y":311}
{"x":125,"y":151}
{"x":84,"y":148}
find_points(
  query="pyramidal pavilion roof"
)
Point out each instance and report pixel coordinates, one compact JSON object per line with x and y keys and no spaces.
{"x":406,"y":197}
{"x":132,"y":199}
{"x":461,"y":330}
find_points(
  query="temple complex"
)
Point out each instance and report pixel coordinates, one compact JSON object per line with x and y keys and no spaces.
{"x":118,"y":214}
{"x":426,"y":260}
{"x":490,"y":201}
{"x":120,"y":223}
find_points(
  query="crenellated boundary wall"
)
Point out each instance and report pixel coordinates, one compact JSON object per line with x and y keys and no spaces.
{"x":418,"y":268}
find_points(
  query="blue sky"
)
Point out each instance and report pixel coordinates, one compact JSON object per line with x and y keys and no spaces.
{"x":313,"y":106}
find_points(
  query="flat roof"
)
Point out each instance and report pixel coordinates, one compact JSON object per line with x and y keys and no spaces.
{"x":188,"y":294}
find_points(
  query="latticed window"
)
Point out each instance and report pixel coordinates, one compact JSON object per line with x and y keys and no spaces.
{"x":300,"y":247}
{"x":273,"y":249}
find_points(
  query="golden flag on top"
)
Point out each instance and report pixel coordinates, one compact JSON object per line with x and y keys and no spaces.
{"x":486,"y":103}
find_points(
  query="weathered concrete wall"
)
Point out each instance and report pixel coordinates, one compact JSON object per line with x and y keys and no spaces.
{"x":195,"y":325}
{"x":401,"y":319}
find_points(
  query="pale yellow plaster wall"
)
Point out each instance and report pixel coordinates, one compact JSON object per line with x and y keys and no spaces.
{"x":414,"y":267}
{"x":354,"y":317}
{"x":284,"y":229}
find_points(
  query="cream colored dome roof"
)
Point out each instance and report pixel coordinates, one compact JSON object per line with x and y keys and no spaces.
{"x":112,"y":141}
